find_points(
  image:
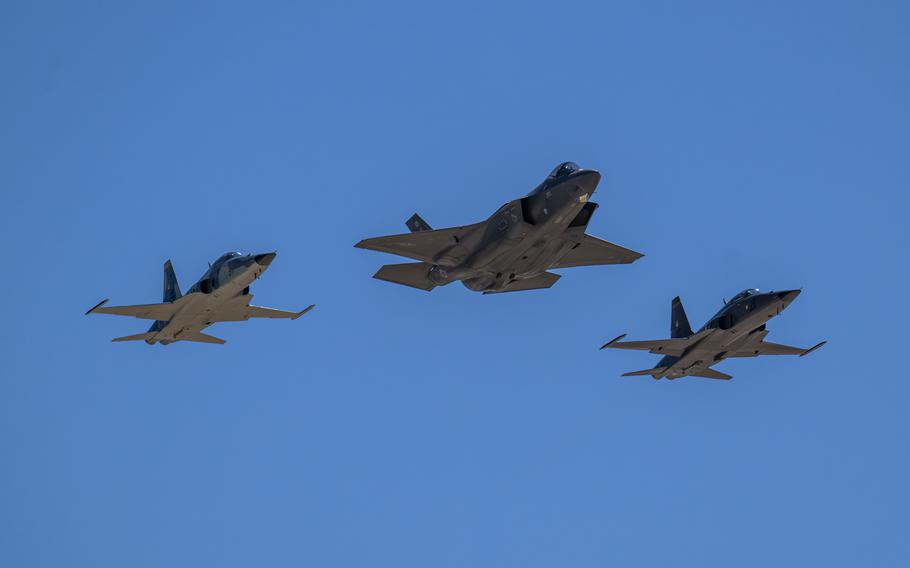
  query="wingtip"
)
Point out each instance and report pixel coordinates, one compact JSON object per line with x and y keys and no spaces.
{"x":96,"y":306}
{"x":811,"y":349}
{"x":303,"y":311}
{"x":612,"y":341}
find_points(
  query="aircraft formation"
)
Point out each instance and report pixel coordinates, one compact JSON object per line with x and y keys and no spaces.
{"x":512,"y":250}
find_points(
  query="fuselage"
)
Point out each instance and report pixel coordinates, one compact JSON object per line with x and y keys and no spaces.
{"x":730,"y":332}
{"x":524,"y":237}
{"x":226,"y":281}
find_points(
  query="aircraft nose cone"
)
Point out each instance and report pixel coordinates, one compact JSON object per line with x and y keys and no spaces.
{"x":584,"y":183}
{"x":265,"y":259}
{"x":588,"y":180}
{"x":788,"y":295}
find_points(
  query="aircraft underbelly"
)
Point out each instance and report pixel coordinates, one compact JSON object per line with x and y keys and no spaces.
{"x":526,"y":257}
{"x":194,"y":316}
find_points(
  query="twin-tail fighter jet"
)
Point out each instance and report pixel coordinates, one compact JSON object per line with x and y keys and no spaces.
{"x":737,"y":330}
{"x":513,"y":249}
{"x":222,"y":294}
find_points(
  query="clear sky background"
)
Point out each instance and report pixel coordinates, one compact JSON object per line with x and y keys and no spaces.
{"x":746,"y":144}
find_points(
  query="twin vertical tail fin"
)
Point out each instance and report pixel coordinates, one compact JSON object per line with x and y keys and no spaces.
{"x":679,"y":323}
{"x":416,"y":224}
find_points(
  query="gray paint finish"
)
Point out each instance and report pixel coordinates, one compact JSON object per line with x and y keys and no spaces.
{"x":737,"y":330}
{"x":511,"y":250}
{"x":222,"y":294}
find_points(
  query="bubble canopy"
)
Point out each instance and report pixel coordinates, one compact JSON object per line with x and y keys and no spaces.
{"x":564,"y":169}
{"x":745,"y":293}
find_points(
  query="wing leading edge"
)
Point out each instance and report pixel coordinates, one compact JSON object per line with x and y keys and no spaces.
{"x":424,"y":245}
{"x":675,"y":347}
{"x":769,"y":348}
{"x":162,"y":312}
{"x":241,"y":310}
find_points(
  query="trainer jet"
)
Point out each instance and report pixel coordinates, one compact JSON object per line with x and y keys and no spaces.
{"x":222,"y":294}
{"x":737,"y":330}
{"x":513,"y":249}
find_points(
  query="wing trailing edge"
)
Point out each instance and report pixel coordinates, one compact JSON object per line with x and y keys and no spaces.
{"x":592,"y":251}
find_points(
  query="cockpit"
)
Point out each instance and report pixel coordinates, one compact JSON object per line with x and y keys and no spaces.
{"x":745,"y":294}
{"x":563,"y":170}
{"x":216,"y":266}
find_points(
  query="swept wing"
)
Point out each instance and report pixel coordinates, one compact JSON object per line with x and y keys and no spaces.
{"x":423,"y":245}
{"x":162,"y":312}
{"x":675,"y":347}
{"x":593,"y":251}
{"x":769,"y":348}
{"x":241,"y":310}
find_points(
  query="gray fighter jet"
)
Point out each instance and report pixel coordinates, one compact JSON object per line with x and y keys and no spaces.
{"x":222,"y":294}
{"x":514,"y":248}
{"x":737,"y":330}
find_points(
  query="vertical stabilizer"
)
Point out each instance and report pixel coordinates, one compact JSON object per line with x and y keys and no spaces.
{"x":416,"y":224}
{"x":679,"y":323}
{"x":171,"y":294}
{"x":171,"y":287}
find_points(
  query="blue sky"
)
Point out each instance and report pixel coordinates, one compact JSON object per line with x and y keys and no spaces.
{"x":748,"y":144}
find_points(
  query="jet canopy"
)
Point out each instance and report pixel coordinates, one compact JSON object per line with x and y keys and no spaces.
{"x":215,"y":266}
{"x":227,"y":256}
{"x":745,"y":293}
{"x":563,"y":170}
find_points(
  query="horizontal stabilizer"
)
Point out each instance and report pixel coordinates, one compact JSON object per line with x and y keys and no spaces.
{"x":138,"y":337}
{"x":413,"y":274}
{"x":712,"y":374}
{"x":544,"y":280}
{"x":199,"y":337}
{"x":655,"y":372}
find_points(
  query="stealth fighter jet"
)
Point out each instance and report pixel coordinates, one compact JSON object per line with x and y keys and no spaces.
{"x":737,"y":330}
{"x":514,"y":248}
{"x":222,"y":294}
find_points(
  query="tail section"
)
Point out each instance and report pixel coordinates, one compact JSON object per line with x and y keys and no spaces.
{"x":416,"y":224}
{"x":170,"y":295}
{"x":655,"y":372}
{"x":413,"y":274}
{"x":199,"y":337}
{"x":171,"y":287}
{"x":679,"y":323}
{"x":712,"y":374}
{"x":138,"y":337}
{"x":542,"y":280}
